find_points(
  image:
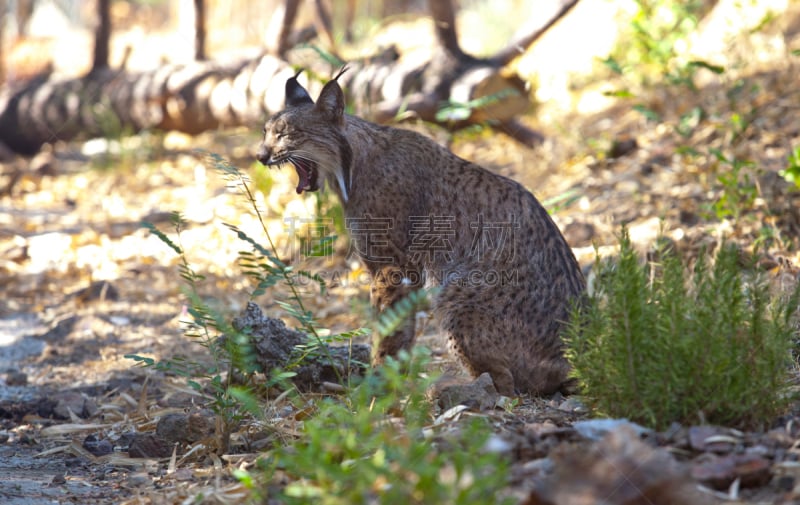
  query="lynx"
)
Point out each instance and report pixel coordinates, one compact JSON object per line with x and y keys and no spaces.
{"x":418,"y":215}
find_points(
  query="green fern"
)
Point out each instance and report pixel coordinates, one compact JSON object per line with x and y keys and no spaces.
{"x":395,"y":316}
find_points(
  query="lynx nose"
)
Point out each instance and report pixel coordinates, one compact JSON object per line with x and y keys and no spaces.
{"x":263,"y":155}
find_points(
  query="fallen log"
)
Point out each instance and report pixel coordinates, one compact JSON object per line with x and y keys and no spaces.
{"x":202,"y":96}
{"x":446,"y":86}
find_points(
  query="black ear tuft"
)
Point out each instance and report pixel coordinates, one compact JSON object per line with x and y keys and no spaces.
{"x":295,"y":93}
{"x":343,"y":70}
{"x":331,"y":99}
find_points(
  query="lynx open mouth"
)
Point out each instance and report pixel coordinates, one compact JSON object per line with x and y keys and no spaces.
{"x":307,"y":174}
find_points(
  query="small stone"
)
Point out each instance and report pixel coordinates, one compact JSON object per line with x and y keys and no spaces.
{"x":780,"y":437}
{"x":622,"y":146}
{"x":719,"y":472}
{"x":710,"y":438}
{"x":538,"y":467}
{"x":785,"y":483}
{"x":79,"y":404}
{"x":186,"y":428}
{"x":596,"y":429}
{"x":183,"y":474}
{"x":16,"y":378}
{"x":573,"y":405}
{"x":498,"y":445}
{"x":149,"y":445}
{"x":478,"y":395}
{"x":98,"y":447}
{"x":139,"y":479}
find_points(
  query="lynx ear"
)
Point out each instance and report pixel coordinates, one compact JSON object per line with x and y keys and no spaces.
{"x":331,"y":99}
{"x":295,"y":93}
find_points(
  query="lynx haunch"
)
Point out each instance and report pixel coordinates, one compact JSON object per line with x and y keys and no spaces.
{"x":419,"y":215}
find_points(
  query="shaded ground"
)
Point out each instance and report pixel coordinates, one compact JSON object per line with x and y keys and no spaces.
{"x":83,"y":285}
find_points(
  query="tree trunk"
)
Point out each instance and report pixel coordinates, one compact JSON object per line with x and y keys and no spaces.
{"x":279,"y":30}
{"x":3,"y":16}
{"x":199,"y":30}
{"x":102,"y":36}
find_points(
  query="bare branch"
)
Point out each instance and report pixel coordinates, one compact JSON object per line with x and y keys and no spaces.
{"x":521,"y":133}
{"x":102,"y":35}
{"x":444,"y":20}
{"x":535,"y":29}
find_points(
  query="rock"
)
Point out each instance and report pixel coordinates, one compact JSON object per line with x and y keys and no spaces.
{"x":186,"y":428}
{"x":719,"y":472}
{"x":596,"y":429}
{"x":79,"y":404}
{"x":275,"y":347}
{"x":711,"y":438}
{"x":498,"y":445}
{"x":619,"y":469}
{"x":149,"y":445}
{"x":622,"y":146}
{"x":16,"y":378}
{"x":139,"y":479}
{"x":98,"y":447}
{"x":479,"y":394}
{"x":573,"y":406}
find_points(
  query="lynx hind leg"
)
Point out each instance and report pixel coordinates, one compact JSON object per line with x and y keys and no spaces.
{"x":469,"y":339}
{"x":479,"y":362}
{"x":390,"y":284}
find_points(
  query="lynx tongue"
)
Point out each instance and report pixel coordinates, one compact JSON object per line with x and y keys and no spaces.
{"x":307,"y":175}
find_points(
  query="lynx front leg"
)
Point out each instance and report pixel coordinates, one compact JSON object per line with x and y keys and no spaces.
{"x":390,"y":284}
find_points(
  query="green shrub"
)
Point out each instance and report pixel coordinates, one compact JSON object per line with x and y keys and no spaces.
{"x":660,"y":343}
{"x":378,"y":445}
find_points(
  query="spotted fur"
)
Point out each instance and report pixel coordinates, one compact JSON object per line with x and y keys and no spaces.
{"x":478,"y":224}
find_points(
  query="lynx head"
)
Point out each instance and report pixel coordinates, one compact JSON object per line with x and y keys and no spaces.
{"x":309,"y":136}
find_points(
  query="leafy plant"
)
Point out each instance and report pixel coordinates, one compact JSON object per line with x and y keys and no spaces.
{"x":659,"y":343}
{"x":658,"y":28}
{"x":792,"y":171}
{"x":460,"y":111}
{"x":377,"y":445}
{"x":204,"y":325}
{"x":232,"y":356}
{"x":738,"y":189}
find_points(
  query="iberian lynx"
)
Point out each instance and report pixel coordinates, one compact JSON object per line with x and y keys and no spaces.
{"x":420,"y":215}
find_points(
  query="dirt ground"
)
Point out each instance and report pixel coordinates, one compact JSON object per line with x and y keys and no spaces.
{"x":83,"y":284}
